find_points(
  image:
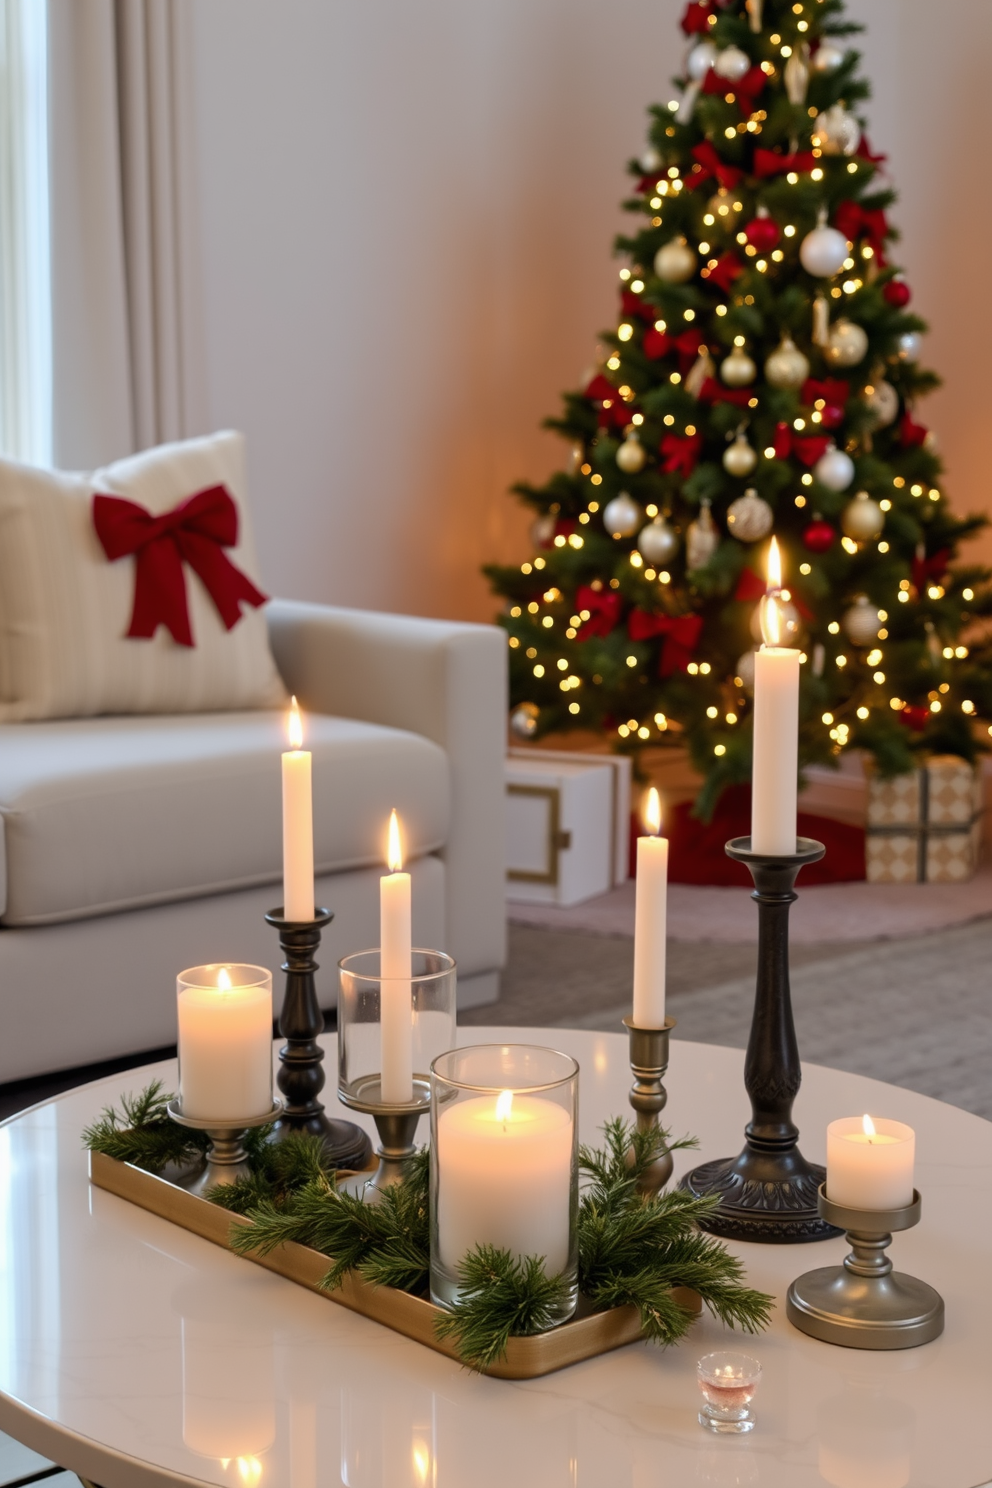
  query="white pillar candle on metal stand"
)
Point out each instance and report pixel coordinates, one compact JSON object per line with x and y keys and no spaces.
{"x":775,"y":770}
{"x":395,"y":966}
{"x":870,"y":1164}
{"x":225,"y":1042}
{"x":650,"y":920}
{"x":297,"y":825}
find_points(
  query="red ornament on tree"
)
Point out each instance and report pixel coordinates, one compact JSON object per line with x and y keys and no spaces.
{"x":897,"y":293}
{"x":762,"y":233}
{"x":915,"y":718}
{"x":819,"y":536}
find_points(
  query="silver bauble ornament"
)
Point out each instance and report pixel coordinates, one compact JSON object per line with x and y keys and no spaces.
{"x":834,"y":469}
{"x":836,"y":132}
{"x":650,"y":160}
{"x":847,"y":344}
{"x":724,"y":205}
{"x":822,"y":252}
{"x":909,"y":346}
{"x":739,"y":458}
{"x":702,"y":539}
{"x":699,"y":60}
{"x":791,"y":623}
{"x":749,"y":518}
{"x":863,"y":519}
{"x":622,"y":516}
{"x":745,"y":670}
{"x":827,"y":57}
{"x":732,"y":64}
{"x":883,"y":400}
{"x":675,"y":262}
{"x":523,"y":720}
{"x":658,"y":542}
{"x":631,"y":455}
{"x":861,"y":622}
{"x":737,"y":369}
{"x":542,"y":531}
{"x":786,"y":367}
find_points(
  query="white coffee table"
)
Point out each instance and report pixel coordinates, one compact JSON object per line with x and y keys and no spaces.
{"x":117,"y":1329}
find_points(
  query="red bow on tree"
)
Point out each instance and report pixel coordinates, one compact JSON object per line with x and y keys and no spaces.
{"x":856,"y":221}
{"x":726,"y":269}
{"x":715,"y":392}
{"x":195,"y":532}
{"x":660,"y":343}
{"x":924,"y":569}
{"x":750,"y":586}
{"x":656,"y":343}
{"x":612,"y":409}
{"x":911,"y":433}
{"x":632,"y":304}
{"x":695,"y":21}
{"x":681,"y":453}
{"x":604,"y":606}
{"x":865,"y":151}
{"x":681,"y":634}
{"x":807,"y":450}
{"x":833,"y":391}
{"x":708,"y":163}
{"x":769,"y":163}
{"x":745,"y":90}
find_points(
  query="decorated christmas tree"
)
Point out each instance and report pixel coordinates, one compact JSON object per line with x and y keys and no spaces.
{"x":763,"y":377}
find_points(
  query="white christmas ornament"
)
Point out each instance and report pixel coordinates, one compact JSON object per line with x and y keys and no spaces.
{"x":622,"y":516}
{"x":823,"y":251}
{"x":658,"y":542}
{"x":827,"y":57}
{"x":909,"y":346}
{"x":739,"y":458}
{"x":847,"y":344}
{"x":699,"y":374}
{"x":796,"y":76}
{"x":883,"y":400}
{"x":702,"y":539}
{"x":631,"y":455}
{"x":675,"y":262}
{"x":749,"y":518}
{"x":650,"y":160}
{"x":542,"y":530}
{"x":836,"y":132}
{"x":737,"y":369}
{"x":863,"y":519}
{"x":834,"y":469}
{"x":861,"y":622}
{"x":786,"y":367}
{"x":732,"y":64}
{"x":699,"y":60}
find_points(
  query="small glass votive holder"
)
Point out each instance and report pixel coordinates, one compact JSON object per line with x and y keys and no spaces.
{"x":224,"y":1014}
{"x":390,"y":1029}
{"x":728,"y":1382}
{"x":504,"y":1138}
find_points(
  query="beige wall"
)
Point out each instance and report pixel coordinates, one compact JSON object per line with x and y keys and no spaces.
{"x":405,"y":213}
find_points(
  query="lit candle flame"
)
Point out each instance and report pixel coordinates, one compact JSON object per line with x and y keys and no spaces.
{"x":504,"y":1106}
{"x":651,"y":812}
{"x":394,"y":852}
{"x":294,"y":726}
{"x":224,"y":979}
{"x":868,"y":1127}
{"x":774,"y":565}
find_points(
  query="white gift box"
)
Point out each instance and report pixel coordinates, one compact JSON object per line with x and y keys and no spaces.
{"x":567,"y":825}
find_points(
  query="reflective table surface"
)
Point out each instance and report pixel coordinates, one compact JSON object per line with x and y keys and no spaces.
{"x":136,"y":1353}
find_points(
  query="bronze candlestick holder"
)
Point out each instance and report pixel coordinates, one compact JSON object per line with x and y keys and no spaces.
{"x":301,"y":1075}
{"x":769,"y":1192}
{"x":648,"y":1096}
{"x":863,"y":1303}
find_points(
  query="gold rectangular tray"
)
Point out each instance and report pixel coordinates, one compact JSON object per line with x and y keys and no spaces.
{"x":526,"y":1358}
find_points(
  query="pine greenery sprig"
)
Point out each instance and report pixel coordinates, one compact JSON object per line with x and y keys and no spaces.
{"x":278,"y":1170}
{"x":143,"y":1134}
{"x":502,"y":1297}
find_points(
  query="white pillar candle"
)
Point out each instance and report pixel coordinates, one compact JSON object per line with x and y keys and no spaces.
{"x":775,"y":768}
{"x":505,"y":1173}
{"x":297,"y":825}
{"x":395,"y":967}
{"x":650,"y":920}
{"x":225,"y":1042}
{"x":870,"y":1163}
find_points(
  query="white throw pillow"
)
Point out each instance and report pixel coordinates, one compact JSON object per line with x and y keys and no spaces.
{"x":65,"y":609}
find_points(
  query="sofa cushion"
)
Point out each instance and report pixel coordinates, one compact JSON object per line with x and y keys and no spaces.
{"x":105,"y":814}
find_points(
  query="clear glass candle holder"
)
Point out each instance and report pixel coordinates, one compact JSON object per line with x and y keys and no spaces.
{"x":224,"y":1014}
{"x":391,"y":1029}
{"x":504,"y":1168}
{"x":728,"y":1382}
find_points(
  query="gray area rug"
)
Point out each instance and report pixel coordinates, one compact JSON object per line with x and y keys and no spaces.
{"x":916,"y":1013}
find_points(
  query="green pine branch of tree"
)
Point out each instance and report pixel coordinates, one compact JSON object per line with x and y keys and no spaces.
{"x":635,"y":613}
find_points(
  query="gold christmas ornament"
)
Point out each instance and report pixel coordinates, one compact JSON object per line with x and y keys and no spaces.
{"x":576,"y":458}
{"x":739,"y":459}
{"x":631,"y":455}
{"x":725,"y":206}
{"x":796,"y":75}
{"x":658,"y":542}
{"x":732,"y":64}
{"x":836,"y":132}
{"x":786,"y":367}
{"x":847,"y":344}
{"x":737,"y":369}
{"x":523,"y":720}
{"x":822,"y":252}
{"x":863,"y":519}
{"x":749,"y":518}
{"x":699,"y":373}
{"x":754,"y":9}
{"x":702,"y":539}
{"x":622,"y":516}
{"x":883,"y":400}
{"x":861,"y":622}
{"x":821,"y":320}
{"x":834,"y":469}
{"x":675,"y":262}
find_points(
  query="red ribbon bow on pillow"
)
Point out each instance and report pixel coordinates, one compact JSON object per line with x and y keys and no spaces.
{"x":196,"y":532}
{"x":604,"y":606}
{"x":681,"y":634}
{"x":768,"y":163}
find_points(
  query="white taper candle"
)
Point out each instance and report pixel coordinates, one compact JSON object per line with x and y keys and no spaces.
{"x":650,"y":920}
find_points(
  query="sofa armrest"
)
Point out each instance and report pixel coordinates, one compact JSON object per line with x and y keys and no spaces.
{"x":447,"y":681}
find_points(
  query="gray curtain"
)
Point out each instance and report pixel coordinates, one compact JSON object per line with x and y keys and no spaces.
{"x":124,"y":281}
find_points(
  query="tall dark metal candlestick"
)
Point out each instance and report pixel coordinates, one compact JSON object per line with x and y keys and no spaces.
{"x":769,"y":1192}
{"x":301,"y":1074}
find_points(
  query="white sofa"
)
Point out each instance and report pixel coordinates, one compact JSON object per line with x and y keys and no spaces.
{"x":135,"y":846}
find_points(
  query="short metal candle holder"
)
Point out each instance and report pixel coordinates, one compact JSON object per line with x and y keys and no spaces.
{"x":768,"y":1193}
{"x":863,"y":1303}
{"x":648,"y":1096}
{"x":226,"y":1159}
{"x":301,"y":1075}
{"x":397,"y":1127}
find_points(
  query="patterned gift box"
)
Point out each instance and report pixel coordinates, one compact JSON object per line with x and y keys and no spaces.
{"x":924,"y":827}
